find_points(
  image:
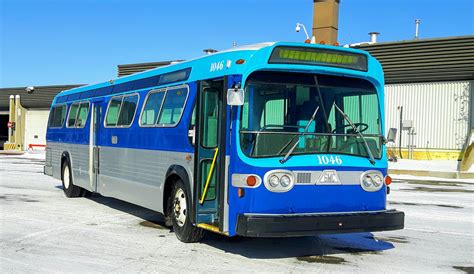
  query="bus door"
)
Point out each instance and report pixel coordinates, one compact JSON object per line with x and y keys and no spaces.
{"x":210,"y":153}
{"x":96,"y":118}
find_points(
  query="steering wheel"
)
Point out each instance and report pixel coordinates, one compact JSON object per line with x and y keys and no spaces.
{"x":361,"y":127}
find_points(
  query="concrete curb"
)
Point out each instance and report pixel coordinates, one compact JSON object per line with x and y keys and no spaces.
{"x":11,"y":152}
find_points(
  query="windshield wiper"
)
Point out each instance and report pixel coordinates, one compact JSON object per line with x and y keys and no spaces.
{"x":354,"y":128}
{"x":283,"y":160}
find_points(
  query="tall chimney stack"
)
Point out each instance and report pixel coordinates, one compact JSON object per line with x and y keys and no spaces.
{"x":325,"y":21}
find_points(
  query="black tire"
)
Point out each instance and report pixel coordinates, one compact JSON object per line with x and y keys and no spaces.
{"x":70,"y":190}
{"x":183,"y":228}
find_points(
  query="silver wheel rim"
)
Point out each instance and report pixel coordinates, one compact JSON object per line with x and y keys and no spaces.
{"x":66,"y":177}
{"x":180,"y":207}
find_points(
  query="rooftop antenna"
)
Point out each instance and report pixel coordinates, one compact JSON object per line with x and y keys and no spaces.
{"x":417,"y":28}
{"x":234,"y":44}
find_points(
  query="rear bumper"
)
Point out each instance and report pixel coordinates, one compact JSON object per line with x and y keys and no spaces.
{"x":252,"y":225}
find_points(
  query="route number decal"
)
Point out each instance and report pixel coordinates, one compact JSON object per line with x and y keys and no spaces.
{"x":325,"y":160}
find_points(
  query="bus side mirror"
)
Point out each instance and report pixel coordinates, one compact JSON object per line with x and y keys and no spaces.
{"x":392,"y":135}
{"x":235,"y":97}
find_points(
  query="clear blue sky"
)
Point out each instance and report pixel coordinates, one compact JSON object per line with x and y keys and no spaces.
{"x":51,"y":42}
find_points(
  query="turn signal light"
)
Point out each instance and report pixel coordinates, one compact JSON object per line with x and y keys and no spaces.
{"x":307,"y":41}
{"x":251,"y":180}
{"x":388,"y":180}
{"x":240,"y":192}
{"x":240,"y":61}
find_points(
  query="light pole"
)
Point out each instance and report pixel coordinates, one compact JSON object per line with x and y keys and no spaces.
{"x":298,"y":28}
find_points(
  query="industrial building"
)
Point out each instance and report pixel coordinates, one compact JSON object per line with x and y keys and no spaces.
{"x":429,"y":89}
{"x":24,"y":115}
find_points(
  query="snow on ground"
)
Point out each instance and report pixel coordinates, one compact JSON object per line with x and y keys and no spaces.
{"x":43,"y":231}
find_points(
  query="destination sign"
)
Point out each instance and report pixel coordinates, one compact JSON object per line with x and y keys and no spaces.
{"x":318,"y":57}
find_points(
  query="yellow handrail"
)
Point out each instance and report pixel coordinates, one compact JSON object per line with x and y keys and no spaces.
{"x":208,"y":180}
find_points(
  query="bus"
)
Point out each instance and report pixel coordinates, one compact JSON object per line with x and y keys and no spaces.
{"x":266,"y":140}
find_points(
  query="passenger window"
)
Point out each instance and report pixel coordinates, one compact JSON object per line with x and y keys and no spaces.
{"x":71,"y":121}
{"x":173,"y":106}
{"x":210,"y":110}
{"x":151,"y":109}
{"x":127,"y":111}
{"x":57,"y":116}
{"x":82,"y":115}
{"x":113,"y":111}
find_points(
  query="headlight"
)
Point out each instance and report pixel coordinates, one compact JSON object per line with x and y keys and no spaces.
{"x":367,"y":181}
{"x":285,"y":181}
{"x":371,"y":180}
{"x":377,"y":180}
{"x":279,"y":180}
{"x":273,"y":181}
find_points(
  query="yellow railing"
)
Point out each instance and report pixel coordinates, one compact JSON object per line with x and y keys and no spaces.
{"x":209,"y":176}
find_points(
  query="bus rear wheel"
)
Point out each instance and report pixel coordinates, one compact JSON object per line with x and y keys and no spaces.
{"x":70,"y":190}
{"x":179,"y":203}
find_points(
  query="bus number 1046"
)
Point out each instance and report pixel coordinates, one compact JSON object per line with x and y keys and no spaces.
{"x":334,"y":160}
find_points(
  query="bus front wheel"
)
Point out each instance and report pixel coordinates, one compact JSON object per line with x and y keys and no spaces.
{"x":70,"y":190}
{"x":179,"y":205}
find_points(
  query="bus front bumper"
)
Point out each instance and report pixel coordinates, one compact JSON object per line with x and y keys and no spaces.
{"x":291,"y":225}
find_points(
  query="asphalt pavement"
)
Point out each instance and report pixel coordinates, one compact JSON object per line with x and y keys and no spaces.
{"x":43,"y":231}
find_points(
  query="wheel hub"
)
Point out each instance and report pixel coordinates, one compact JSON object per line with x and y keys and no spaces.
{"x":180,"y":207}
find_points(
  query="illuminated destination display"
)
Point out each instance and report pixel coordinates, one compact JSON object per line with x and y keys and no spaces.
{"x":319,"y":57}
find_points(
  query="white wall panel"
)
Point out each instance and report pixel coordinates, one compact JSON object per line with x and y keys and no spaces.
{"x":440,"y":112}
{"x":35,"y":127}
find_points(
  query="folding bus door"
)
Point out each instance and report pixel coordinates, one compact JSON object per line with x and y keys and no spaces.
{"x":96,"y":118}
{"x":210,"y":153}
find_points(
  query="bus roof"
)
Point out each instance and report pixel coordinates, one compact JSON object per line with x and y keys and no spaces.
{"x":202,"y":67}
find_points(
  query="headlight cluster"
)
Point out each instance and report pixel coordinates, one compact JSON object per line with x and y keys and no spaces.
{"x":371,"y":180}
{"x":279,"y":180}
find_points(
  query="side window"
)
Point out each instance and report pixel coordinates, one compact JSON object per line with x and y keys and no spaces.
{"x":71,"y":121}
{"x":173,"y":106}
{"x":113,"y":111}
{"x":57,"y":116}
{"x":152,"y":107}
{"x":82,"y":115}
{"x":127,"y":111}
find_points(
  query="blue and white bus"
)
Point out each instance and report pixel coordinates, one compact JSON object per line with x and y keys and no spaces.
{"x":267,"y":140}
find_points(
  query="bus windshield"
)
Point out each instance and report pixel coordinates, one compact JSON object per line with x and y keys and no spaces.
{"x":277,"y":115}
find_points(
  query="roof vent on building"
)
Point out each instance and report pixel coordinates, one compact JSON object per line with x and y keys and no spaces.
{"x":209,"y":51}
{"x":417,"y":28}
{"x":373,"y":36}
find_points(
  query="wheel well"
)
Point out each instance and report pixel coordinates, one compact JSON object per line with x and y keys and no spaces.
{"x":170,"y":180}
